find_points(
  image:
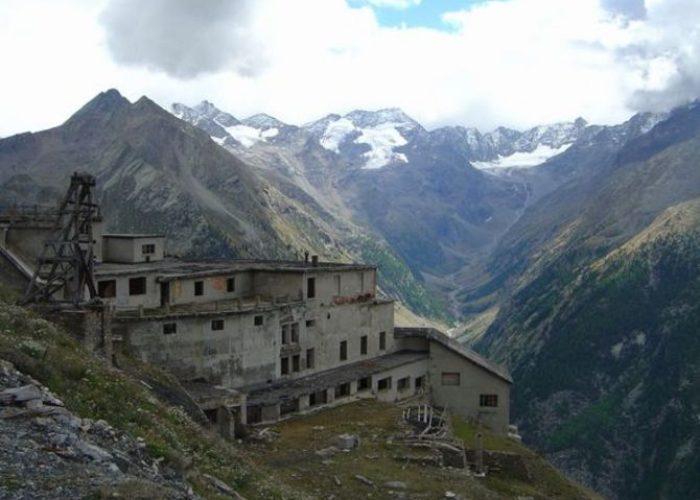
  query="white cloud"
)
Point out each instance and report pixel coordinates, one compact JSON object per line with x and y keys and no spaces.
{"x":394,"y":4}
{"x":507,"y":62}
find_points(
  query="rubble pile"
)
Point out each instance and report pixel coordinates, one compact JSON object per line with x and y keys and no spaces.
{"x":48,"y":452}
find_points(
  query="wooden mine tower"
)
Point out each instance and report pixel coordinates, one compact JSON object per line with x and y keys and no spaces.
{"x":66,"y":264}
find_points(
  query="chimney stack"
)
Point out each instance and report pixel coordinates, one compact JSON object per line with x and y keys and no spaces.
{"x":314,"y":260}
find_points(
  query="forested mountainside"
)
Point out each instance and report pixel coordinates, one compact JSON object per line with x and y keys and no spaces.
{"x":599,"y":317}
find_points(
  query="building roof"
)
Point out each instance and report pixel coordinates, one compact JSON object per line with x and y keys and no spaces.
{"x":277,"y":391}
{"x":454,"y":346}
{"x":170,"y":268}
{"x":132,"y":236}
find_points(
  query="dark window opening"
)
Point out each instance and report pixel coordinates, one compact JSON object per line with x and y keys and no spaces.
{"x":363,"y":344}
{"x":451,"y":378}
{"x":343,"y":350}
{"x":137,"y":286}
{"x":342,"y":390}
{"x":231,"y":284}
{"x":107,"y":289}
{"x":419,"y":382}
{"x":310,"y":323}
{"x":296,"y":363}
{"x":384,"y":384}
{"x":254,"y":414}
{"x":310,"y":361}
{"x":148,"y":249}
{"x":490,"y":400}
{"x":169,"y":328}
{"x":382,"y":341}
{"x":289,"y":406}
{"x":364,"y":384}
{"x":403,"y":384}
{"x":212,"y":415}
{"x":285,"y":334}
{"x":258,"y":320}
{"x":295,"y":332}
{"x":311,"y":288}
{"x":318,"y":398}
{"x":285,"y":366}
{"x":199,"y":288}
{"x":217,"y":324}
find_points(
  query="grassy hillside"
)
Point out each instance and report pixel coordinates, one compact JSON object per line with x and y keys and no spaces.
{"x":91,"y":390}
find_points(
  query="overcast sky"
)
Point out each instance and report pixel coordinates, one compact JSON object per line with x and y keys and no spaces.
{"x":478,"y":63}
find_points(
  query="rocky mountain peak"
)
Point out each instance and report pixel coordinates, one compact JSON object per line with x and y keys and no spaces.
{"x":364,"y":119}
{"x":263,"y":121}
{"x":104,"y":105}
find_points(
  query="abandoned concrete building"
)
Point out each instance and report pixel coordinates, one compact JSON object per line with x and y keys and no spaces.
{"x":255,"y":341}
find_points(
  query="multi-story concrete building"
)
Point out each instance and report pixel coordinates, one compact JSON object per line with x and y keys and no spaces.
{"x":256,"y":340}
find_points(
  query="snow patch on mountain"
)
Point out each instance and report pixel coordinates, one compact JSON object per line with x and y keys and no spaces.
{"x":382,"y":140}
{"x":381,"y":136}
{"x":335,"y":133}
{"x":524,"y":159}
{"x":248,"y":136}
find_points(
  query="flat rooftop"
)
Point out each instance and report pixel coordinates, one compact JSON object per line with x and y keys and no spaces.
{"x":170,"y":268}
{"x":267,"y":394}
{"x":132,"y":236}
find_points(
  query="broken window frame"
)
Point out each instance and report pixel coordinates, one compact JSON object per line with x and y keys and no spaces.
{"x":488,"y":400}
{"x":217,"y":325}
{"x":403,"y":384}
{"x":258,"y":320}
{"x":384,"y":384}
{"x":310,"y":358}
{"x":169,"y":328}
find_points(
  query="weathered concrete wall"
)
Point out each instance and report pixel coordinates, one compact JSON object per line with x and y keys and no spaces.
{"x":278,"y":285}
{"x":130,"y":250}
{"x":412,"y":344}
{"x":124,"y":300}
{"x":474,"y":381}
{"x":412,"y":371}
{"x":214,"y":288}
{"x":239,"y":354}
{"x":331,"y":286}
{"x":27,"y":241}
{"x":348,"y":322}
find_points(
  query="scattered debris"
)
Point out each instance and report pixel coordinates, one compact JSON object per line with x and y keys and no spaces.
{"x":347,"y":442}
{"x":395,"y":485}
{"x":364,"y":480}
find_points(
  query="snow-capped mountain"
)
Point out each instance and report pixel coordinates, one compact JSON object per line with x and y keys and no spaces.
{"x":377,"y":133}
{"x":225,"y":129}
{"x":371,"y":140}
